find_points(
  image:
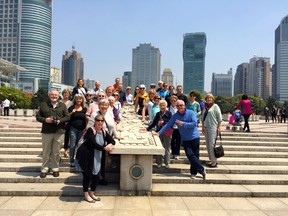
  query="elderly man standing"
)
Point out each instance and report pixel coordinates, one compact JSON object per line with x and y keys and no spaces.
{"x":53,"y":115}
{"x":187,"y":123}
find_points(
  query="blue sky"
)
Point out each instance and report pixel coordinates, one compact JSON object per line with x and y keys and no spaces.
{"x":105,"y":32}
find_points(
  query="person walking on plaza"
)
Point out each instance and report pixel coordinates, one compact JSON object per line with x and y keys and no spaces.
{"x":77,"y":123}
{"x":89,"y":155}
{"x":188,"y":127}
{"x":274,"y":114}
{"x":53,"y":115}
{"x":266,"y":113}
{"x":245,"y":106}
{"x":211,"y":127}
{"x":283,"y":115}
{"x":6,"y":106}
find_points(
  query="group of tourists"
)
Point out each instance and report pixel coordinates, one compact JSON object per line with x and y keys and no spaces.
{"x":87,"y":120}
{"x":278,"y":114}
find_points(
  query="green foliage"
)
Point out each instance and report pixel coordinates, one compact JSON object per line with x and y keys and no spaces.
{"x":40,"y":96}
{"x":22,"y":99}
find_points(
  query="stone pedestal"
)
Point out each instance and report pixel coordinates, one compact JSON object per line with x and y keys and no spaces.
{"x":136,"y":173}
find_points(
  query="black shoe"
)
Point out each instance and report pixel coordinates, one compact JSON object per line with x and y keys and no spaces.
{"x":248,"y":131}
{"x":55,"y":174}
{"x":204,"y":175}
{"x":213,"y":165}
{"x":43,"y":175}
{"x":103,"y":182}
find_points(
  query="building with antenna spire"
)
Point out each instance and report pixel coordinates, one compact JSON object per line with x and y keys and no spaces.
{"x":72,"y":67}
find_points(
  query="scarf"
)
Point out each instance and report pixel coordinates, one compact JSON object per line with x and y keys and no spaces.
{"x":207,"y":107}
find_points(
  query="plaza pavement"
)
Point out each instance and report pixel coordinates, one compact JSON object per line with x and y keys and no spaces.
{"x":143,"y":205}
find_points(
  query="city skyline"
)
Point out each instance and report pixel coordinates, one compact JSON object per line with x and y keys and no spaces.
{"x":106,"y":33}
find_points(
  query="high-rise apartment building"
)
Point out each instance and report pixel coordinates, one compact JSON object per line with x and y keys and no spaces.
{"x":72,"y":67}
{"x":126,"y":79}
{"x":221,"y":84}
{"x":280,"y":69}
{"x":146,"y":61}
{"x":55,"y":75}
{"x":25,"y":38}
{"x":259,"y":77}
{"x":240,"y":80}
{"x":194,"y":45}
{"x":167,"y":76}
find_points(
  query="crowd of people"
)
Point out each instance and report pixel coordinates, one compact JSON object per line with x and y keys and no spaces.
{"x":87,"y":120}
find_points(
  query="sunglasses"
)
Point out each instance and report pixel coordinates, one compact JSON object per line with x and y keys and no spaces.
{"x":101,"y":95}
{"x":99,"y":120}
{"x":173,"y":100}
{"x":89,"y":94}
{"x":180,"y":105}
{"x":115,"y":95}
{"x":157,"y":98}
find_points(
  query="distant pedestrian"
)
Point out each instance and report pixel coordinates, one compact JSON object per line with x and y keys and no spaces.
{"x":6,"y":106}
{"x":245,"y":106}
{"x":266,"y":113}
{"x":283,"y":115}
{"x":274,"y":114}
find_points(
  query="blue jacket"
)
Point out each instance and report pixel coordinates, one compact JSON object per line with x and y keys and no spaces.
{"x":189,"y":130}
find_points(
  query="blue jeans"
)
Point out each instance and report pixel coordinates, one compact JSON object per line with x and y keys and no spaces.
{"x":74,"y":136}
{"x":191,"y":148}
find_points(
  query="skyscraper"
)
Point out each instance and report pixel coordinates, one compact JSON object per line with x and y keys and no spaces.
{"x":194,"y":45}
{"x":72,"y":67}
{"x":167,"y":76}
{"x":280,"y":69}
{"x":221,"y":84}
{"x":25,"y":37}
{"x":240,"y":81}
{"x":259,"y":77}
{"x":146,"y":61}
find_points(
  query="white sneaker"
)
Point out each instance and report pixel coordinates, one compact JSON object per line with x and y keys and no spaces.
{"x":193,"y":176}
{"x":167,"y":166}
{"x":177,"y":158}
{"x":158,"y":165}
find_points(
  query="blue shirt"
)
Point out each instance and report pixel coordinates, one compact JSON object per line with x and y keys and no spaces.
{"x":189,"y":129}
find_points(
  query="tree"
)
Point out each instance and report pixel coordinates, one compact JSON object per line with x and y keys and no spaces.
{"x":40,"y":96}
{"x":22,"y":99}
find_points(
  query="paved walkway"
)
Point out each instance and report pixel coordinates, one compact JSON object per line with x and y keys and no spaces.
{"x":143,"y":205}
{"x":136,"y":206}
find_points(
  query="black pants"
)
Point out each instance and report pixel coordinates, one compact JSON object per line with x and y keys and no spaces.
{"x":89,"y":179}
{"x":175,"y":142}
{"x":246,"y":124}
{"x":66,"y":138}
{"x":6,"y":111}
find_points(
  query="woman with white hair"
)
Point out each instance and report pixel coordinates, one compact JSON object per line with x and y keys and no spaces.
{"x":161,"y":118}
{"x":77,"y":123}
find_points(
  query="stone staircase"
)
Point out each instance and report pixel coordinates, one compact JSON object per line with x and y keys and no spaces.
{"x":254,"y":165}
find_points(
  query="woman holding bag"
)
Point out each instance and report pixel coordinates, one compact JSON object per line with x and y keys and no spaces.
{"x":211,"y":127}
{"x":89,"y":157}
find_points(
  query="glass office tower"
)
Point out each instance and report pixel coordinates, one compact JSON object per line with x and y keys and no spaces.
{"x":194,"y":45}
{"x":25,"y":37}
{"x":280,"y":70}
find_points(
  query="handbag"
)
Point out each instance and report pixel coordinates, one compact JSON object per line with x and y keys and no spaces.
{"x":169,"y":132}
{"x":218,"y":150}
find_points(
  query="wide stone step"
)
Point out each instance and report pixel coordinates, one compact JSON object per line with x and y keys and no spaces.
{"x":184,"y":178}
{"x":219,"y":190}
{"x":20,"y":134}
{"x":226,"y":169}
{"x":65,"y":177}
{"x":21,"y":139}
{"x":54,"y":189}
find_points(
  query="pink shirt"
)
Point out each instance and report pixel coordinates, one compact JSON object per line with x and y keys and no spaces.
{"x":245,"y":107}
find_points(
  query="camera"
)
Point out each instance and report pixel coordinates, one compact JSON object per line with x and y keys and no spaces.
{"x":54,"y":119}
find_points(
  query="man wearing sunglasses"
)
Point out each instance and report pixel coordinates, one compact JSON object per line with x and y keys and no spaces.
{"x":186,"y":121}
